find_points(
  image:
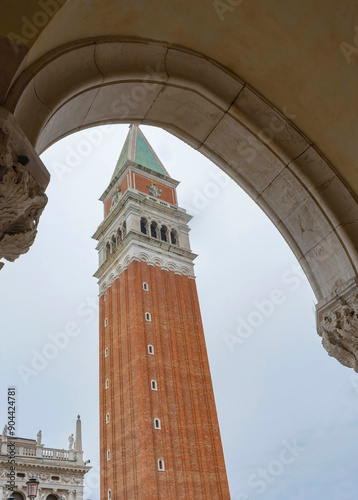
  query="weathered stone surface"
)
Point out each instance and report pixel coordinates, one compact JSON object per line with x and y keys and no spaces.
{"x":240,"y":148}
{"x":208,"y":78}
{"x":187,"y":111}
{"x":269,"y":125}
{"x":22,"y":201}
{"x":338,"y":328}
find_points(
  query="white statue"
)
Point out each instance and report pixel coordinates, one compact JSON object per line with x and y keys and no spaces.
{"x":39,"y":437}
{"x":116,"y":197}
{"x":4,"y":433}
{"x":71,"y":441}
{"x":155,"y":191}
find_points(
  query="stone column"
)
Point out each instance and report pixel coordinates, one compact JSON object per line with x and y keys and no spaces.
{"x":337,"y":322}
{"x":133,"y":222}
{"x":23,"y":180}
{"x":4,"y":447}
{"x":101,"y":254}
{"x":78,"y":442}
{"x":79,"y":495}
{"x":39,"y":450}
{"x":183,"y":235}
{"x":72,"y":495}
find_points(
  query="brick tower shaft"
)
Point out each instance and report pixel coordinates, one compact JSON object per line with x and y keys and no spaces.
{"x":159,"y":433}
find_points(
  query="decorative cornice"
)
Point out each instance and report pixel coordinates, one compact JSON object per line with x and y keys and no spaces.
{"x":119,"y":211}
{"x":40,"y":463}
{"x":139,"y":247}
{"x":130,"y":165}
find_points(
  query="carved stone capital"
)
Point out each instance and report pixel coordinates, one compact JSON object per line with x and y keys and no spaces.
{"x":337,"y":324}
{"x":23,"y":180}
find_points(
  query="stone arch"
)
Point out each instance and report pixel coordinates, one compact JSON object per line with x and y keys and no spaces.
{"x":174,"y":236}
{"x":18,"y":495}
{"x":127,"y":260}
{"x":158,"y":262}
{"x":113,"y":242}
{"x":217,"y":113}
{"x":185,"y":271}
{"x":144,"y":225}
{"x":108,"y":249}
{"x":164,"y":233}
{"x":172,"y":266}
{"x":144,"y":257}
{"x":119,"y":235}
{"x":154,"y":229}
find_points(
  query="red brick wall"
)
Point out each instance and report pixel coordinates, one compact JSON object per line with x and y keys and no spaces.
{"x":141,"y":183}
{"x":189,"y":440}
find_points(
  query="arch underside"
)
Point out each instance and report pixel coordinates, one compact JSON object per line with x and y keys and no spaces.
{"x":131,"y":80}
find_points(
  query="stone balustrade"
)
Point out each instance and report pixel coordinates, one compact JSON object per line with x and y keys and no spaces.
{"x":55,"y":454}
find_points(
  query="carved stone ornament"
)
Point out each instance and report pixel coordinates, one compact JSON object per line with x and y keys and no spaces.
{"x":22,"y":201}
{"x":43,"y":477}
{"x":339,"y":332}
{"x":153,"y":190}
{"x":71,"y":441}
{"x":116,"y":197}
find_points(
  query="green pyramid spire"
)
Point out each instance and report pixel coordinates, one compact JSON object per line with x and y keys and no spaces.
{"x":137,"y":149}
{"x":123,"y":157}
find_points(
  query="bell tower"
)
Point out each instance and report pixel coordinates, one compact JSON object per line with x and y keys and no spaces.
{"x":159,"y":433}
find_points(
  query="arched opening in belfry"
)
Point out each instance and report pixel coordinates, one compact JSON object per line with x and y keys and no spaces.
{"x":119,"y":235}
{"x":154,"y":229}
{"x":174,"y":236}
{"x":164,"y":233}
{"x":114,"y":243}
{"x":144,"y":225}
{"x":108,"y":249}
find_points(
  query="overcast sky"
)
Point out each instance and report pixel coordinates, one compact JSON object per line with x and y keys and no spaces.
{"x":287,"y":412}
